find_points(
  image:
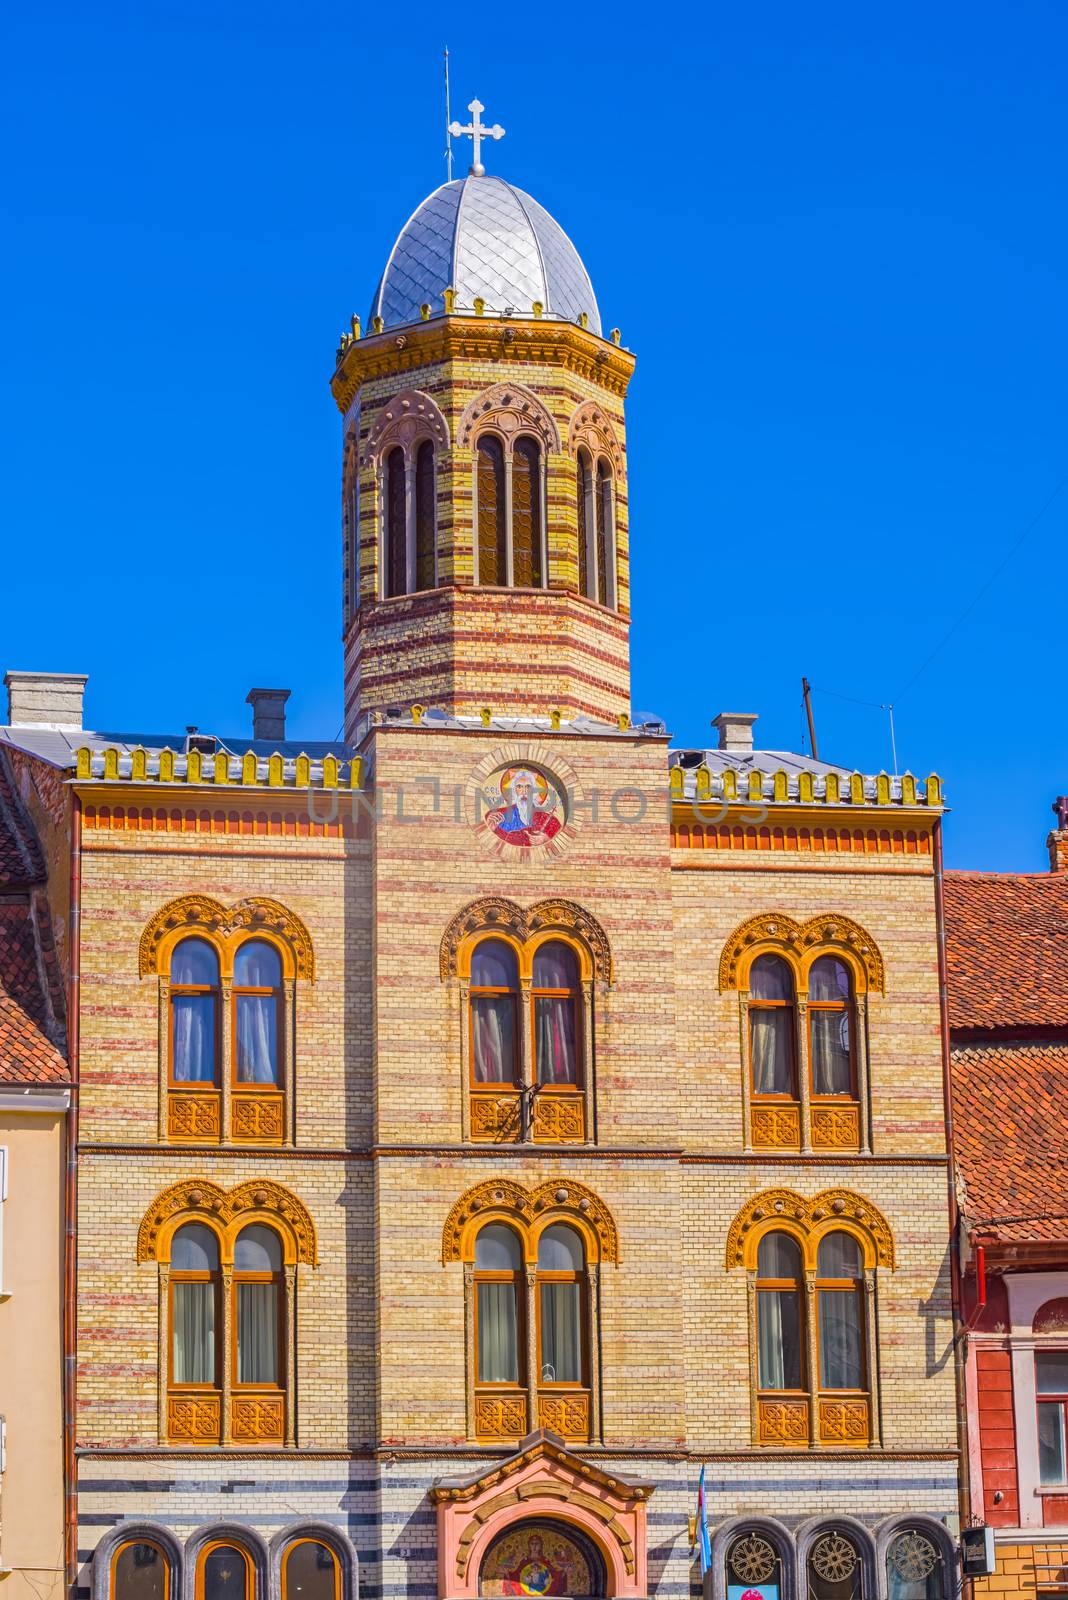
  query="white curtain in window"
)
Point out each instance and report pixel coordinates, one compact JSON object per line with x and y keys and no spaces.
{"x":778,"y":1339}
{"x":193,"y":1333}
{"x":554,"y":1038}
{"x":498,"y":1359}
{"x":561,"y":1333}
{"x":493,"y":1038}
{"x":841,"y":1347}
{"x":194,"y":1038}
{"x":830,"y":1052}
{"x":771,"y":1051}
{"x":257,"y":1041}
{"x":257,"y":1333}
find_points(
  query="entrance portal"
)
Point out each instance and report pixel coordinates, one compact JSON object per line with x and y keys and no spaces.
{"x":542,"y":1557}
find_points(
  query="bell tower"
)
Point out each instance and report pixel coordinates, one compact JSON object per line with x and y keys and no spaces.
{"x":484,"y":479}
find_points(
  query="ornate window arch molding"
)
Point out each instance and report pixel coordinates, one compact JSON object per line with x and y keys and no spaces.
{"x":509,"y":410}
{"x":406,"y":419}
{"x":243,"y":1538}
{"x":830,"y":1211}
{"x":529,"y":1212}
{"x":770,"y":1529}
{"x":136,"y":1531}
{"x":214,"y":1413}
{"x":529,"y":1396}
{"x":591,"y":429}
{"x":526,"y":928}
{"x":801,"y":943}
{"x":530,"y":1100}
{"x":226,"y":928}
{"x":781,"y":1413}
{"x":817,"y":1119}
{"x":335,"y":1539}
{"x":227,"y":1212}
{"x":254,"y":1103}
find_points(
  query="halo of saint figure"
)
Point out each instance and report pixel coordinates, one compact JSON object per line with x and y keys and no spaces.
{"x":531,"y":809}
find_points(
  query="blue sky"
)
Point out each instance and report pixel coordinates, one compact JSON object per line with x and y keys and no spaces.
{"x":835,"y":236}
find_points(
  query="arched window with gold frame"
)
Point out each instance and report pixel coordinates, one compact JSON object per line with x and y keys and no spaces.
{"x":224,"y":1571}
{"x":228,"y":980}
{"x":835,"y":969}
{"x":813,"y":1270}
{"x":533,"y":1081}
{"x":532,"y":1263}
{"x":227,"y":1263}
{"x":528,"y":516}
{"x":587,"y":559}
{"x":604,"y":518}
{"x":425,"y":517}
{"x":140,"y":1570}
{"x":310,"y":1570}
{"x":772,"y":1010}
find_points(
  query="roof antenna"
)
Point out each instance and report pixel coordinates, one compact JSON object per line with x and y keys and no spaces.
{"x":806,"y":690}
{"x":448,"y":124}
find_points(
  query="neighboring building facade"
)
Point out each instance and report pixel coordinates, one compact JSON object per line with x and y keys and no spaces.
{"x":34,"y":1101}
{"x":489,"y":1120}
{"x":1007,"y":940}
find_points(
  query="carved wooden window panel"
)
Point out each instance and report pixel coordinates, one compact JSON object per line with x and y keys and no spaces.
{"x":584,"y":493}
{"x":194,"y":1382}
{"x":775,"y":1107}
{"x":257,"y":1046}
{"x":193,"y":1039}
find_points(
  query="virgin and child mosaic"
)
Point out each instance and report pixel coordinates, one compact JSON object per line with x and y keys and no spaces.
{"x":538,"y":1560}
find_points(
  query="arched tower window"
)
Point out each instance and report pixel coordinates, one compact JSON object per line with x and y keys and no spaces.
{"x":396,"y":525}
{"x":526,"y":514}
{"x":605,"y":540}
{"x":587,"y":564}
{"x":492,"y":540}
{"x":498,"y":1260}
{"x":425,"y":522}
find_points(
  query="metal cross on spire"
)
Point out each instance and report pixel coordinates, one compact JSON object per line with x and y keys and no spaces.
{"x":477,"y":131}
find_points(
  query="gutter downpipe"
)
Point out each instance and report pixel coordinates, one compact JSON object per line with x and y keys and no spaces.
{"x":959,"y":1336}
{"x":70,"y":1237}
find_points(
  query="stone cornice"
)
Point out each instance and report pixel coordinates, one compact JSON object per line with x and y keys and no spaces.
{"x":517,"y":341}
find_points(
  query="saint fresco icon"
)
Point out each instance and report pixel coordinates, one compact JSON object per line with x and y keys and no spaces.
{"x":531,"y":809}
{"x":536,"y":1561}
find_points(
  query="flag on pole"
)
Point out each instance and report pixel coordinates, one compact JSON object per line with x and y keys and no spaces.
{"x":702,"y":1526}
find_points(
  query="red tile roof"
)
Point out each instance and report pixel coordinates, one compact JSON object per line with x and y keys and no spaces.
{"x":32,"y":1032}
{"x":1007,"y":949}
{"x":1010,"y":1116}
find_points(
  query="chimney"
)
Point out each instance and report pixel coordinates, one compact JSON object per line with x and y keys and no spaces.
{"x":45,"y":699}
{"x":1057,"y":842}
{"x":268,"y":713}
{"x":735,"y":729}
